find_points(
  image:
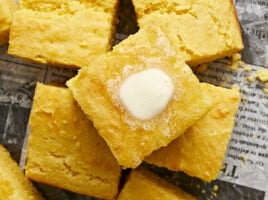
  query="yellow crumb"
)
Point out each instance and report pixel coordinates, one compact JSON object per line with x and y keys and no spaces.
{"x":236,"y":57}
{"x":215,"y":188}
{"x":247,"y":68}
{"x":203,"y":191}
{"x":235,"y":87}
{"x":244,"y":157}
{"x":262,"y":75}
{"x":235,"y":62}
{"x":265,"y":90}
{"x":202,"y":67}
{"x":254,"y":136}
{"x":233,"y":66}
{"x":214,"y":194}
{"x":251,"y":78}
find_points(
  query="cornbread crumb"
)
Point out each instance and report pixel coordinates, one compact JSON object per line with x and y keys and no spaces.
{"x":64,"y":148}
{"x":251,"y":78}
{"x":247,"y":68}
{"x":235,"y":87}
{"x":236,"y":57}
{"x":215,"y":188}
{"x":13,"y":184}
{"x":262,"y":75}
{"x":234,"y":62}
{"x":234,"y":65}
{"x":244,"y":157}
{"x":265,"y":90}
{"x":214,"y":194}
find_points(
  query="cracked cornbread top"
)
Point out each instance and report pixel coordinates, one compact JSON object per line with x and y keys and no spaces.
{"x":204,"y":30}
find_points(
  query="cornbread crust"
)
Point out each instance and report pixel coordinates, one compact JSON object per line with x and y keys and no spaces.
{"x":64,"y":149}
{"x":96,"y":90}
{"x":13,"y":184}
{"x":7,"y":8}
{"x":143,"y":184}
{"x":200,"y":150}
{"x":68,"y":34}
{"x":204,"y":30}
{"x":52,"y":5}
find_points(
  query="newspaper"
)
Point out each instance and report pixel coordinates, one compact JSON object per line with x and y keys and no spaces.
{"x":245,"y":167}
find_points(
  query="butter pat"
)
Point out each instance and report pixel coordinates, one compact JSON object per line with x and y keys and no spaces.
{"x":146,"y":94}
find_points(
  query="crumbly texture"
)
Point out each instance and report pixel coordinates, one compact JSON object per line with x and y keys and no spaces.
{"x":52,"y":5}
{"x":96,"y":90}
{"x":7,"y":8}
{"x":143,"y":184}
{"x":205,"y":30}
{"x":68,"y":34}
{"x":200,"y":150}
{"x":13,"y":184}
{"x":64,"y":148}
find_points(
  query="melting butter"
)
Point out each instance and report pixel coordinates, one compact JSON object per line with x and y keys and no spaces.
{"x":146,"y":94}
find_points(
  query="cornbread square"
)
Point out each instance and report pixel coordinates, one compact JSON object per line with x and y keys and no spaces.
{"x":68,"y":34}
{"x":7,"y":8}
{"x":200,"y":150}
{"x":143,"y":184}
{"x":13,"y":183}
{"x":96,"y":89}
{"x":204,"y":30}
{"x":64,"y":149}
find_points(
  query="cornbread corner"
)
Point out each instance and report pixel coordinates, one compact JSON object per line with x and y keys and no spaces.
{"x":7,"y":8}
{"x":204,"y":30}
{"x":64,"y":149}
{"x":68,"y":34}
{"x":13,"y":183}
{"x":143,"y":184}
{"x":200,"y":150}
{"x":96,"y":89}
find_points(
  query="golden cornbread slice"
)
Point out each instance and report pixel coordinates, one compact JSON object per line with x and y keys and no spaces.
{"x":64,"y":149}
{"x":13,"y":184}
{"x":200,"y":150}
{"x":96,"y":89}
{"x":143,"y":184}
{"x":64,"y":40}
{"x":204,"y":30}
{"x":7,"y":8}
